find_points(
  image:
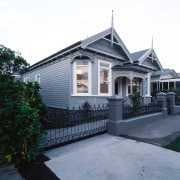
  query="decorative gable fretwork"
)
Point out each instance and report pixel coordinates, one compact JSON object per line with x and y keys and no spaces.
{"x":123,"y":54}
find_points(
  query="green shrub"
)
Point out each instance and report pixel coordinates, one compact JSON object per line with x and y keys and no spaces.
{"x":135,"y":97}
{"x":21,"y":112}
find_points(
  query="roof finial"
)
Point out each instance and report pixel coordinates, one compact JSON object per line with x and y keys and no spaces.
{"x":112,"y":30}
{"x":152,"y":43}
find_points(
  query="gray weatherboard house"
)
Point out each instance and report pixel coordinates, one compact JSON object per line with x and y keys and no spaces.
{"x":93,"y":70}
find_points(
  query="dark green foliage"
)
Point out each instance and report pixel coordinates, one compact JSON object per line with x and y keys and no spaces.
{"x":176,"y":91}
{"x":11,"y":61}
{"x":175,"y":145}
{"x":136,"y":98}
{"x":86,"y":106}
{"x":21,"y":112}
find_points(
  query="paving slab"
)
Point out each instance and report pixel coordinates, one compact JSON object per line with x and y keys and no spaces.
{"x":109,"y":157}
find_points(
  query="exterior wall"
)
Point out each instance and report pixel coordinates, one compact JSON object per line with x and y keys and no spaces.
{"x":55,"y":83}
{"x":77,"y":101}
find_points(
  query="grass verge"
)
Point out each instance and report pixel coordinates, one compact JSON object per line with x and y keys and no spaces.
{"x":174,"y":145}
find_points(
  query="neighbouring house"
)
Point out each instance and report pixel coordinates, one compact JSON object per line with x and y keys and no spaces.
{"x":165,"y":79}
{"x":94,"y":69}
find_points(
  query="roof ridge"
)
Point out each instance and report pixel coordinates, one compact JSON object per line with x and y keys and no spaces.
{"x":141,"y":51}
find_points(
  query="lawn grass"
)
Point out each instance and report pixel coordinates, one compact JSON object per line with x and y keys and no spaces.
{"x":174,"y":145}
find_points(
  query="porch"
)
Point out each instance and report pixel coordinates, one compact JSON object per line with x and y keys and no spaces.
{"x":130,"y":79}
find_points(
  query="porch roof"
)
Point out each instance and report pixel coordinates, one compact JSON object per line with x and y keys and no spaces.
{"x":131,"y":67}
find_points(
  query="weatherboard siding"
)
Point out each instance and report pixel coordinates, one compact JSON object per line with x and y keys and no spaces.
{"x":55,"y":83}
{"x":77,"y":101}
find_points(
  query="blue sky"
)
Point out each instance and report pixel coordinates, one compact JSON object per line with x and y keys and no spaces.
{"x":39,"y":28}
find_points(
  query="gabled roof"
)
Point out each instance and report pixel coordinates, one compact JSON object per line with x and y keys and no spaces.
{"x":106,"y":35}
{"x":118,"y":51}
{"x":147,"y":58}
{"x":136,"y":55}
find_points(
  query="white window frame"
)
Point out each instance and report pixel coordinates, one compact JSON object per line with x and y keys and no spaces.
{"x":38,"y":78}
{"x":27,"y":79}
{"x":75,"y":93}
{"x":109,"y":78}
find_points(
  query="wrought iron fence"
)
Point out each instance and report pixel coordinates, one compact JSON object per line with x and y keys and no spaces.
{"x":65,"y":126}
{"x":177,"y":100}
{"x":134,"y":111}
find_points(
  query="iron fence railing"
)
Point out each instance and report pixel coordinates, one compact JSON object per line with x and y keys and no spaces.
{"x":177,"y":100}
{"x":64,"y":126}
{"x":134,"y":111}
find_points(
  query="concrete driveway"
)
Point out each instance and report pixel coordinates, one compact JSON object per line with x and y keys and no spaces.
{"x":107,"y":157}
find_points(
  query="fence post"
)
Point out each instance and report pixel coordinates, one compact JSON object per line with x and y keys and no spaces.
{"x":115,"y":115}
{"x":171,"y":98}
{"x":161,"y":97}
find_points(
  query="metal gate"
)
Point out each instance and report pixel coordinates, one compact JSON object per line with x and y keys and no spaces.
{"x":66,"y":126}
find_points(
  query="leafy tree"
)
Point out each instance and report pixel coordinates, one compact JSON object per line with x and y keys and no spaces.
{"x":11,"y":61}
{"x":21,"y":113}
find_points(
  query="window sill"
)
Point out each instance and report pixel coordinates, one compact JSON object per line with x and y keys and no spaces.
{"x":90,"y":95}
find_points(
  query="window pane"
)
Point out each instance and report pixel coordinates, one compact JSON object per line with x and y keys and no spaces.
{"x":177,"y":84}
{"x":104,"y":73}
{"x":82,"y":79}
{"x":171,"y":85}
{"x":104,"y":87}
{"x":82,"y":86}
{"x":82,"y":73}
{"x":165,"y":85}
{"x":104,"y":78}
